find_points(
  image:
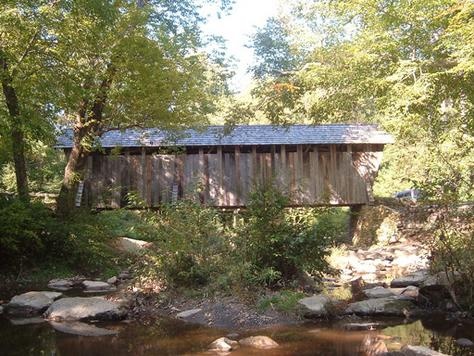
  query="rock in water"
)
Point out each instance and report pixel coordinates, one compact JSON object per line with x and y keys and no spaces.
{"x":31,"y":303}
{"x":27,"y":321}
{"x":222,"y":344}
{"x":409,"y":350}
{"x":464,"y":342}
{"x":259,"y":342}
{"x":97,"y":286}
{"x":61,"y":284}
{"x":188,"y":313}
{"x":79,"y":308}
{"x":315,"y":306}
{"x":381,"y":306}
{"x":83,"y":329}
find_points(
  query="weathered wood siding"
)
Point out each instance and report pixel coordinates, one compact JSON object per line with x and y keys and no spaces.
{"x":224,"y":176}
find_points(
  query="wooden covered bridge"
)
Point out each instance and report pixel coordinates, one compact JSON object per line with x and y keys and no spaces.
{"x":315,"y":165}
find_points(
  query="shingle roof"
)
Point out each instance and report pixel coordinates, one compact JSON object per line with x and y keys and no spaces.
{"x":240,"y":135}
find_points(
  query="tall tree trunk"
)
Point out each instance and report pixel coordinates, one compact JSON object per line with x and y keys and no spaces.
{"x":86,"y":125}
{"x":16,"y":130}
{"x":73,"y":173}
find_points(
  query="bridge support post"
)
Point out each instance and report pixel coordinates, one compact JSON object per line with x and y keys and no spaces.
{"x":354,"y":213}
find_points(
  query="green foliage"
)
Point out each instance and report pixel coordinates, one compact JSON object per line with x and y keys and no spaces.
{"x":452,"y":246}
{"x":23,"y":230}
{"x":276,"y":245}
{"x":190,"y":243}
{"x":407,"y":66}
{"x":285,"y":301}
{"x":31,"y":234}
{"x":272,"y":50}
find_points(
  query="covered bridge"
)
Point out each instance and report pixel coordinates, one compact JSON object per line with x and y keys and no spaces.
{"x":219,"y":166}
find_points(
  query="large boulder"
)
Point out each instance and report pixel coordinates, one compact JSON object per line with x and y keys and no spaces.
{"x":31,"y":303}
{"x":80,"y":308}
{"x":390,"y":306}
{"x":82,"y":329}
{"x":381,"y":292}
{"x":259,"y":342}
{"x":315,"y":306}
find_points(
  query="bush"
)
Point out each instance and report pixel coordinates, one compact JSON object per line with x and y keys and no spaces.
{"x":190,"y":242}
{"x":452,"y":249}
{"x":23,"y":230}
{"x":279,"y":244}
{"x":31,"y":234}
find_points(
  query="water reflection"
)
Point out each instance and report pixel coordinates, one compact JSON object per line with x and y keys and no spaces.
{"x":172,"y":337}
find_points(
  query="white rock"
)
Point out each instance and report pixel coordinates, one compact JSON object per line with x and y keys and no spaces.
{"x":409,"y":350}
{"x":222,"y":344}
{"x":188,"y":313}
{"x":83,"y":329}
{"x":1,"y":309}
{"x":133,"y":246}
{"x":390,"y":306}
{"x":259,"y":342}
{"x":31,"y":303}
{"x":80,"y":308}
{"x":315,"y":306}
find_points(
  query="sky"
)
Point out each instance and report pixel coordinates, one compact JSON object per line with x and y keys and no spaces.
{"x":236,"y":28}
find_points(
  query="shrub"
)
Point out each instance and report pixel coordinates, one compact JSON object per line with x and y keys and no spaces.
{"x":277,"y":245}
{"x":190,"y":243}
{"x":31,"y":234}
{"x":452,"y":248}
{"x":23,"y":230}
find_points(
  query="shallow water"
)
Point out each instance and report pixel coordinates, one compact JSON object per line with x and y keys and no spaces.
{"x":173,"y":337}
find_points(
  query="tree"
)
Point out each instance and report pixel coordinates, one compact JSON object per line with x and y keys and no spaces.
{"x":272,"y":50}
{"x":22,"y":77}
{"x":121,"y":65}
{"x":406,"y":65}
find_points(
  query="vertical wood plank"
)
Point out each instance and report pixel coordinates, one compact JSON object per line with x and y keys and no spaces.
{"x":202,"y":178}
{"x":143,"y":187}
{"x":350,"y":174}
{"x":220,"y":176}
{"x":254,"y":175}
{"x":333,"y":173}
{"x":238,"y":183}
{"x":149,"y":184}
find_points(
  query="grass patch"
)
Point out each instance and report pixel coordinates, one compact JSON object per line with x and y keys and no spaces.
{"x":285,"y":301}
